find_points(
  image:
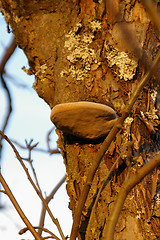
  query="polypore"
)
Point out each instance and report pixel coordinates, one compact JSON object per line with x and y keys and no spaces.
{"x":87,"y":120}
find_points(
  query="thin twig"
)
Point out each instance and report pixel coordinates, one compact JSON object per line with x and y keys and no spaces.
{"x":124,"y":190}
{"x":48,"y":199}
{"x":48,"y":237}
{"x":22,"y":231}
{"x":48,"y":139}
{"x":17,"y":207}
{"x":9,"y":110}
{"x":117,"y":126}
{"x":30,"y":147}
{"x":55,"y":220}
{"x":50,"y":151}
{"x":7,"y":54}
{"x":2,"y":191}
{"x":98,"y":196}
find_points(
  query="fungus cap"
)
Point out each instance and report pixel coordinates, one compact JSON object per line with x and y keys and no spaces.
{"x":84,"y":119}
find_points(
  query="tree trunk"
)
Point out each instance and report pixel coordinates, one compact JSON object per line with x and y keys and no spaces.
{"x":84,"y":50}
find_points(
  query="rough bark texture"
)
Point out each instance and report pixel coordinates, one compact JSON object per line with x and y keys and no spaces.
{"x":77,"y":51}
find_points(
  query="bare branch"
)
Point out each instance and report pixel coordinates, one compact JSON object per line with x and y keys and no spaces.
{"x":50,"y":151}
{"x":9,"y":110}
{"x":48,"y":199}
{"x":2,"y":191}
{"x":22,"y":231}
{"x":17,"y":207}
{"x":8,"y":53}
{"x":124,"y":190}
{"x":105,"y":146}
{"x":55,"y":220}
{"x":49,"y":237}
{"x":30,"y":147}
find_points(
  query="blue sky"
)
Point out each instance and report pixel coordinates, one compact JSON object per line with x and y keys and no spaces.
{"x":30,"y":120}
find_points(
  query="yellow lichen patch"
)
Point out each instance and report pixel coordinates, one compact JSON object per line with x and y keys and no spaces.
{"x":80,"y":55}
{"x":126,"y":65}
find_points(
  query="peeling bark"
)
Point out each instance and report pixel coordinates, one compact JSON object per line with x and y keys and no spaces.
{"x":78,"y":51}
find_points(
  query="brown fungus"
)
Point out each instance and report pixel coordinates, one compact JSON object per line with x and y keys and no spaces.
{"x":86,"y":120}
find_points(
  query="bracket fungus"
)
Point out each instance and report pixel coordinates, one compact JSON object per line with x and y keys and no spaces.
{"x":84,"y":119}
